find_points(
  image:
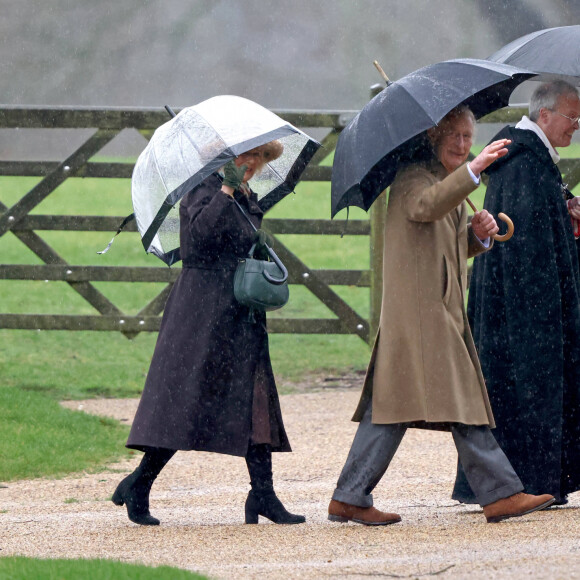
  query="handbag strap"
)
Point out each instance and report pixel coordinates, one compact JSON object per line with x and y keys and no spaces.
{"x":245,"y":214}
{"x":270,"y":251}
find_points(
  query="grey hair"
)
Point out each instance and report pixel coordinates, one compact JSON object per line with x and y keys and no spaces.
{"x":435,"y":132}
{"x":462,"y":110}
{"x":546,"y":97}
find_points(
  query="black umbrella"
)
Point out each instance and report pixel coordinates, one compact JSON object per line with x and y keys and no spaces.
{"x":551,"y":52}
{"x":390,"y":130}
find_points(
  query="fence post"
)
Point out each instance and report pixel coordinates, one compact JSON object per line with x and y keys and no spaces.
{"x":378,"y":214}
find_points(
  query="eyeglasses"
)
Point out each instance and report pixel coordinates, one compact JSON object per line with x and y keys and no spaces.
{"x":574,"y":120}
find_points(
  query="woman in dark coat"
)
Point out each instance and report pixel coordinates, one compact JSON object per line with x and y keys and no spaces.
{"x":210,"y":385}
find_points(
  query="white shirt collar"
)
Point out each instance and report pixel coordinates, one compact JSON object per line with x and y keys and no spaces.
{"x":528,"y":125}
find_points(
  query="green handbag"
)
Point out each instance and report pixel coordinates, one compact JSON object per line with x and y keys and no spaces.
{"x":261,"y":284}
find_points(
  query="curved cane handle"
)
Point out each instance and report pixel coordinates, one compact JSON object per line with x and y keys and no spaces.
{"x":510,"y":231}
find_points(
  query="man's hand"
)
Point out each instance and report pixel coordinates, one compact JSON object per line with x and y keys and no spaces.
{"x":574,"y":207}
{"x":483,"y":224}
{"x":488,"y":155}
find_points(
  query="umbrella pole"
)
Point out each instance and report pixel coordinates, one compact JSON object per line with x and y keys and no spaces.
{"x":387,"y":80}
{"x":504,"y":218}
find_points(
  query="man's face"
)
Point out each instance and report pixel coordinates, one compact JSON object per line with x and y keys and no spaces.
{"x":559,"y":129}
{"x":453,"y":139}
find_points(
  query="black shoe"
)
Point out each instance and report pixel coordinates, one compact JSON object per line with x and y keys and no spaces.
{"x":562,"y":501}
{"x":268,"y":505}
{"x":136,"y":498}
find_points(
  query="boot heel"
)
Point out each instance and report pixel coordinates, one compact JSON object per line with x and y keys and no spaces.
{"x":137,"y":503}
{"x":269,"y":506}
{"x":251,"y":517}
{"x":340,"y":519}
{"x":252,"y":509}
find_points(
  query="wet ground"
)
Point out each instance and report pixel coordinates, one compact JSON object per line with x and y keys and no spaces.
{"x":199,"y":498}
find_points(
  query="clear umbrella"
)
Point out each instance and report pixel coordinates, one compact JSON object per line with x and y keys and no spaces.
{"x":196,"y":143}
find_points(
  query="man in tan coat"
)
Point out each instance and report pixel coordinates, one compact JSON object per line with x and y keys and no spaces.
{"x":424,"y":371}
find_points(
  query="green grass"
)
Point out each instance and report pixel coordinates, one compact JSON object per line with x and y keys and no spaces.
{"x":40,"y":437}
{"x":18,"y":568}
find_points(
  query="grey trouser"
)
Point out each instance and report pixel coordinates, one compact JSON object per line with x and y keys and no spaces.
{"x":488,"y":470}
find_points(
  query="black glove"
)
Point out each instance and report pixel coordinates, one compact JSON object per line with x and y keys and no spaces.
{"x":234,"y":175}
{"x":261,"y":238}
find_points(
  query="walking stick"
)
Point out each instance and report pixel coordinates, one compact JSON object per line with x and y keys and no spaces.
{"x":502,"y":216}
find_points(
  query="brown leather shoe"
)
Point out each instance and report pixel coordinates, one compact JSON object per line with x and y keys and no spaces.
{"x":516,"y":505}
{"x":345,"y":512}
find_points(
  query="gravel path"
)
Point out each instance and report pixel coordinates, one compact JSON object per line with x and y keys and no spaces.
{"x":199,"y":498}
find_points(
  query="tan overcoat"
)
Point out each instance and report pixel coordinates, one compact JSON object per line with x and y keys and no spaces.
{"x":424,"y":366}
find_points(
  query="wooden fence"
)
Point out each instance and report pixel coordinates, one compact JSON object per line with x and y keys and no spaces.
{"x":106,"y":124}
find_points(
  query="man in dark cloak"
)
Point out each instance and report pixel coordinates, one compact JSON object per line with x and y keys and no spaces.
{"x":524,"y":302}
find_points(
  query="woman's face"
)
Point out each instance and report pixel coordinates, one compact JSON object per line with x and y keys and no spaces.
{"x":453,"y":141}
{"x":253,"y":160}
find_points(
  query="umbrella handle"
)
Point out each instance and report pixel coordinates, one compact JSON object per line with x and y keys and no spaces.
{"x":278,"y":262}
{"x":510,"y":231}
{"x":504,"y":218}
{"x":387,"y":80}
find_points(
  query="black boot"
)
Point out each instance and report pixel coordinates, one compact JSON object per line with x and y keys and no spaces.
{"x":262,"y":500}
{"x":134,"y":490}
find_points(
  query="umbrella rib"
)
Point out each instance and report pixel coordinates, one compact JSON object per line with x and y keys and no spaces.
{"x":420,"y":107}
{"x":159,"y":173}
{"x":280,"y":178}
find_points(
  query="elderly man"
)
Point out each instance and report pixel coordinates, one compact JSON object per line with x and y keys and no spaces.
{"x":424,"y":370}
{"x":524,"y":302}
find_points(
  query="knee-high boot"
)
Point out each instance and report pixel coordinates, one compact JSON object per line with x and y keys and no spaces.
{"x":262,"y":500}
{"x":134,"y":490}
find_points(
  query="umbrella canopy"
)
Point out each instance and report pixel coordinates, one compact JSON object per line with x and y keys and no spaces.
{"x":197,"y":142}
{"x":390,"y":130}
{"x":552,"y":52}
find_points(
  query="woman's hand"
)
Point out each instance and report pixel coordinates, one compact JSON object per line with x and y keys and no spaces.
{"x":233,"y":177}
{"x":483,"y":224}
{"x":488,"y":155}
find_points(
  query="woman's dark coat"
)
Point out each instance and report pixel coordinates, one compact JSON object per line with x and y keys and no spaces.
{"x":524,"y":307}
{"x":209,"y":356}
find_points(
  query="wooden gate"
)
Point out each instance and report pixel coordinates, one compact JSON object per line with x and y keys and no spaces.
{"x":106,"y":125}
